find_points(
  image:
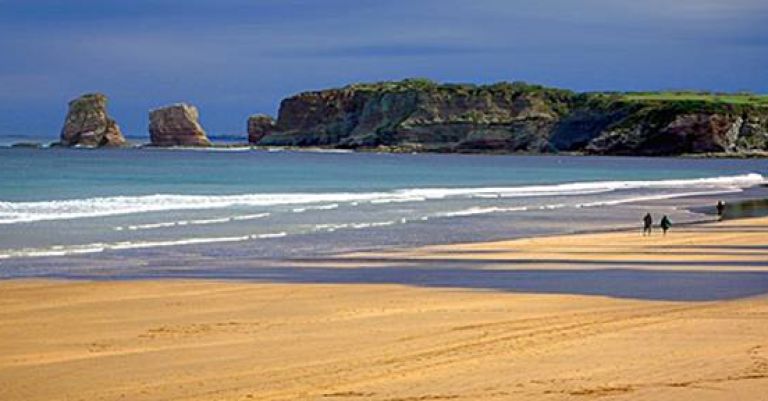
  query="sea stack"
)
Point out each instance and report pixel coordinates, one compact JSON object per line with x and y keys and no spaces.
{"x":176,"y":125}
{"x":89,"y":125}
{"x":259,"y":126}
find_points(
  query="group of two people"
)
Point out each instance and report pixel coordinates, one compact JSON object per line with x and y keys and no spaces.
{"x":665,"y":224}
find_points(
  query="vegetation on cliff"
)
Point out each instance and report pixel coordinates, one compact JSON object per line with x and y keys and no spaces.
{"x":422,"y":115}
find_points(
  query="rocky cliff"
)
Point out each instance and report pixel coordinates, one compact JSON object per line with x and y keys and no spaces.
{"x":672,"y":128}
{"x":176,"y":125}
{"x":88,"y":124}
{"x":259,"y":126}
{"x":419,"y":115}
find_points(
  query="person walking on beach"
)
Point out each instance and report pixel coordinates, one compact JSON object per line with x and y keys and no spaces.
{"x":647,"y":224}
{"x":720,"y":209}
{"x":665,"y":224}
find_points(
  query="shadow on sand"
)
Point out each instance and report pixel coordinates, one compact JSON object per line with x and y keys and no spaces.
{"x":621,"y":283}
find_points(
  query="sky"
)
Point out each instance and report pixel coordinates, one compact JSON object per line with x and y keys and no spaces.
{"x":234,"y":58}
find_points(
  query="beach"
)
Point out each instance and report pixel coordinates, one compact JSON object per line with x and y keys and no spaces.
{"x":383,"y":201}
{"x":185,"y":339}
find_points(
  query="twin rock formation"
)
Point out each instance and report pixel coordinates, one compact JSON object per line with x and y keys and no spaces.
{"x":419,"y":115}
{"x":88,"y":125}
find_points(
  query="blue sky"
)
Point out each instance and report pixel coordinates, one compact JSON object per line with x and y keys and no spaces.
{"x":233,"y":58}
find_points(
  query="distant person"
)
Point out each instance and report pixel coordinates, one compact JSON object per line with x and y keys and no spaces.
{"x":665,"y":224}
{"x":720,"y":209}
{"x":647,"y":224}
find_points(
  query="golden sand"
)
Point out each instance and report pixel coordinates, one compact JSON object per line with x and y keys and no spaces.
{"x":207,"y":340}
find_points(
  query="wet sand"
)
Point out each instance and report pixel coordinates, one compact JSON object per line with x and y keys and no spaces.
{"x":216,"y":340}
{"x":731,"y":245}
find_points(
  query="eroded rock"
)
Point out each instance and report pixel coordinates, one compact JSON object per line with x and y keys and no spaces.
{"x":259,"y":126}
{"x":176,"y":125}
{"x":88,"y":124}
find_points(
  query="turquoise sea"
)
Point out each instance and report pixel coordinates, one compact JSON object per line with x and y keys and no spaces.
{"x":56,"y":202}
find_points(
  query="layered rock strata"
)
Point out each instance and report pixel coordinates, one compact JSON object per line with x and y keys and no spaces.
{"x":419,"y":115}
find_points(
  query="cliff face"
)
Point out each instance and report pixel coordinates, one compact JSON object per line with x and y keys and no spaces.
{"x":685,"y":127}
{"x":259,"y":126}
{"x":421,"y":115}
{"x":88,"y":124}
{"x":176,"y":125}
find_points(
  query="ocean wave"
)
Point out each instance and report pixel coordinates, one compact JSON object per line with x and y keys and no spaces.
{"x":358,"y":226}
{"x":320,"y":207}
{"x":476,"y":210}
{"x":472,"y":211}
{"x":636,"y":199}
{"x":180,"y":223}
{"x":63,"y":250}
{"x":22,"y":212}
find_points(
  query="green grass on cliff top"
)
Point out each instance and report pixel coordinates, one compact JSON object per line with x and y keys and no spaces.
{"x":712,"y":99}
{"x":728,"y":98}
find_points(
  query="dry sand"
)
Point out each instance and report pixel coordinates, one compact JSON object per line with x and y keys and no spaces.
{"x":206,"y":340}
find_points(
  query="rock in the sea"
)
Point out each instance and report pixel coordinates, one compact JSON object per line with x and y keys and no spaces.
{"x":259,"y":126}
{"x":89,"y":125}
{"x":27,"y":145}
{"x":176,"y":125}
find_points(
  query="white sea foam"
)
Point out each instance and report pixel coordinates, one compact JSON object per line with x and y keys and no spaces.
{"x":319,"y":207}
{"x":636,"y":199}
{"x":357,"y":226}
{"x":402,"y":199}
{"x":472,"y":211}
{"x":481,"y":210}
{"x":268,"y":236}
{"x":167,"y":224}
{"x":251,"y":216}
{"x":60,"y":250}
{"x":20,"y":212}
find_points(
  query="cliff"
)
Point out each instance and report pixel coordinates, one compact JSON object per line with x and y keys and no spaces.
{"x":420,"y":115}
{"x":176,"y":125}
{"x":259,"y":126}
{"x":88,"y":124}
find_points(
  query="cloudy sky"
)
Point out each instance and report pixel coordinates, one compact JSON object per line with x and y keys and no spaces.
{"x":233,"y":58}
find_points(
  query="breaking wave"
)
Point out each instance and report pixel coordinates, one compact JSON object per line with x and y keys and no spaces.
{"x":181,"y":223}
{"x":23,"y":212}
{"x":101,"y":247}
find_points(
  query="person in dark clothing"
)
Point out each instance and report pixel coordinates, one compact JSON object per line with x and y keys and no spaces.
{"x":665,"y":224}
{"x":720,"y":209}
{"x":647,"y":224}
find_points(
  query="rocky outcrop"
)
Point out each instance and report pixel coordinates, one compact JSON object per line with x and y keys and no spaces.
{"x":690,"y":133}
{"x":88,"y":124}
{"x":259,"y":126}
{"x":423,"y":115}
{"x":176,"y":125}
{"x":753,"y":134}
{"x":420,"y":115}
{"x":666,"y":129}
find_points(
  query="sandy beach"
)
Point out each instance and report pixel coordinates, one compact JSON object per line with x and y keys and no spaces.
{"x":215,"y":340}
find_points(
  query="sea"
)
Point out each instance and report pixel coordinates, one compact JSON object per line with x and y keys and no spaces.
{"x":287,"y":204}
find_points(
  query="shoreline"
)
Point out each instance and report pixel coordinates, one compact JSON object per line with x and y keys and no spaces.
{"x":692,"y":206}
{"x":275,"y":339}
{"x":382,"y":150}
